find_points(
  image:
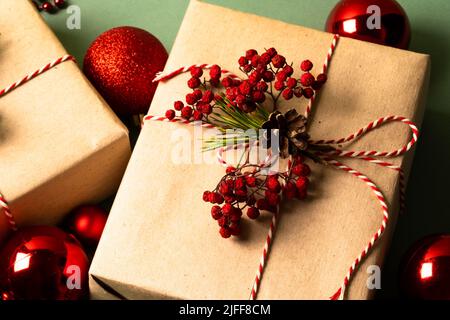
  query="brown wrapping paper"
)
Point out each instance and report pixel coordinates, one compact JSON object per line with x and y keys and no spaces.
{"x":60,"y":144}
{"x":160,"y":241}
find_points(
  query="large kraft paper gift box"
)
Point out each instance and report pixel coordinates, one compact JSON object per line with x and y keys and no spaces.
{"x":160,"y":240}
{"x":60,"y":144}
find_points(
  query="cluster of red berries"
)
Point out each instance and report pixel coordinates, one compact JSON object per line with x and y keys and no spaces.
{"x":240,"y":189}
{"x":267,"y":74}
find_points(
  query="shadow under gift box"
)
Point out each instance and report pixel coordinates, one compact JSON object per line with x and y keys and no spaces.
{"x":60,"y":144}
{"x":160,"y":240}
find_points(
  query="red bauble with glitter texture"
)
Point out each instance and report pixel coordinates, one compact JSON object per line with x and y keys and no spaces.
{"x":43,"y":263}
{"x":425,"y":270}
{"x":86,"y":223}
{"x":356,"y":19}
{"x":121,"y":64}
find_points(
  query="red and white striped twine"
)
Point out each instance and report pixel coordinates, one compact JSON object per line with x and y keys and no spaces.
{"x":161,"y":77}
{"x":3,"y":203}
{"x":369,"y":156}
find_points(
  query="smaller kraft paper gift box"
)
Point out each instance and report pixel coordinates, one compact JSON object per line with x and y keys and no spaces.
{"x":161,"y":241}
{"x":60,"y":144}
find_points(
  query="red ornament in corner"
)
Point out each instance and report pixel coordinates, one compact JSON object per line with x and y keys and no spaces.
{"x":86,"y":223}
{"x":121,"y":64}
{"x":378,"y":21}
{"x":43,"y":263}
{"x":425,"y":270}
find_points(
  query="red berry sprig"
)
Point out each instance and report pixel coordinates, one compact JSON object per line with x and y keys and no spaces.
{"x":247,"y":187}
{"x":268,"y":75}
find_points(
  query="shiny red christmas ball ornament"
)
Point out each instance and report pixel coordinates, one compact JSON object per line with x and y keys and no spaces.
{"x":379,"y":21}
{"x":425,"y":270}
{"x":43,"y":263}
{"x":121,"y":64}
{"x":86,"y":223}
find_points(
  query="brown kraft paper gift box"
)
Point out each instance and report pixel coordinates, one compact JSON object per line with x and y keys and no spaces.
{"x":160,"y":240}
{"x":60,"y":144}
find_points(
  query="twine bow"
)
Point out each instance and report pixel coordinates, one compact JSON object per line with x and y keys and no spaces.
{"x":323,"y":151}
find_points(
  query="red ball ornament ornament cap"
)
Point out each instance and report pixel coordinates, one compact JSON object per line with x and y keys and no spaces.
{"x":121,"y":64}
{"x":379,"y":21}
{"x":43,"y":263}
{"x":425,"y":270}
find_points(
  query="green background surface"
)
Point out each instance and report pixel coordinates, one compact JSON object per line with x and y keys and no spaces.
{"x":427,"y":191}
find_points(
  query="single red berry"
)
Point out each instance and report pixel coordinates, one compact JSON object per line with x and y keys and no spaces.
{"x":216,"y":212}
{"x":306,"y":66}
{"x":223,"y":221}
{"x":243,"y":61}
{"x":229,"y":198}
{"x":240,"y":183}
{"x":186,"y":112}
{"x":278,"y":61}
{"x":245,"y":88}
{"x":301,"y":169}
{"x":47,"y":6}
{"x":288,"y":70}
{"x":258,"y":96}
{"x":251,"y":181}
{"x":225,"y":232}
{"x":298,"y":92}
{"x":265,"y":58}
{"x":217,"y":198}
{"x":170,"y":114}
{"x":322,"y":78}
{"x":240,"y":99}
{"x":198,"y":93}
{"x":262,"y":86}
{"x":191,"y":99}
{"x":279,"y":85}
{"x":290,"y":190}
{"x":230,"y":169}
{"x":272,"y":198}
{"x":208,"y":96}
{"x":302,"y":184}
{"x":215,"y":72}
{"x":268,"y":76}
{"x":250,"y":53}
{"x":281,"y":76}
{"x":288,"y":94}
{"x":235,"y":229}
{"x":178,"y":105}
{"x":272,"y":52}
{"x":236,"y":216}
{"x":227,"y":82}
{"x":197,"y":115}
{"x":307,"y":79}
{"x":253,"y":213}
{"x":225,"y":189}
{"x":227,"y":209}
{"x":206,"y":109}
{"x":291,"y":83}
{"x":206,"y":196}
{"x":241,"y":193}
{"x":196,"y":72}
{"x":308,"y":93}
{"x":273,"y":184}
{"x":60,"y":3}
{"x":255,"y":60}
{"x":247,"y":68}
{"x":194,"y":83}
{"x":255,"y":77}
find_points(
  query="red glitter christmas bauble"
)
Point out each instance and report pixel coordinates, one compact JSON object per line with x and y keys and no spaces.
{"x":425,"y":271}
{"x":86,"y":223}
{"x":379,"y":21}
{"x":121,"y":63}
{"x":43,"y":263}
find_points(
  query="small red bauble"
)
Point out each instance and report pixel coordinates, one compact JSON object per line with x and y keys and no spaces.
{"x":86,"y":223}
{"x":121,"y":64}
{"x":43,"y":263}
{"x":47,"y":6}
{"x":425,"y":270}
{"x":60,"y":3}
{"x":359,"y":19}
